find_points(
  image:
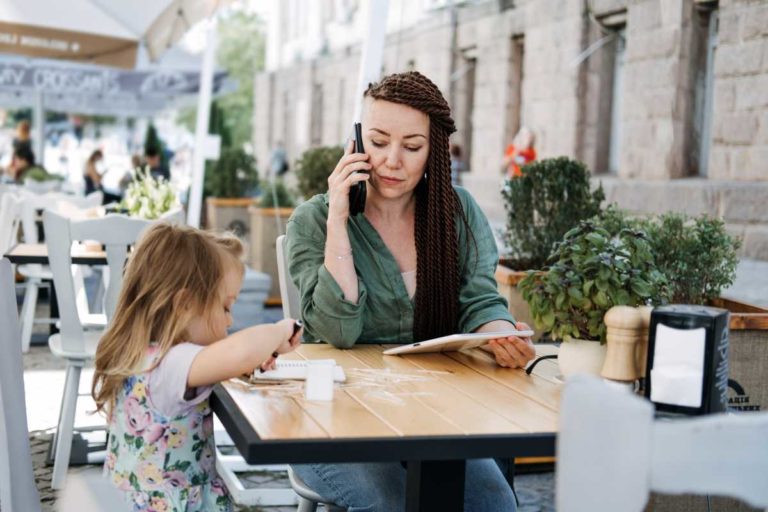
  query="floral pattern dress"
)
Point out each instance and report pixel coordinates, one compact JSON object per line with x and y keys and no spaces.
{"x":163,"y":464}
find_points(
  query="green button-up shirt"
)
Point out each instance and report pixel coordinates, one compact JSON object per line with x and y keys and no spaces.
{"x":384,"y":311}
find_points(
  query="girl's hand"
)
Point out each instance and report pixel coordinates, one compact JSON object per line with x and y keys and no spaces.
{"x":513,"y":352}
{"x":342,"y":178}
{"x":292,"y":341}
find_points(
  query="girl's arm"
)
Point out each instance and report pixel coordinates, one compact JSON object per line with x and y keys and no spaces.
{"x":241,"y":352}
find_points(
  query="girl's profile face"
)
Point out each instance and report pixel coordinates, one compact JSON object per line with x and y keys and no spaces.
{"x":396,"y":137}
{"x":212,"y":326}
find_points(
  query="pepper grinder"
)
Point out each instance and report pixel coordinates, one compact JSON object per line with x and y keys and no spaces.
{"x":624,"y":324}
{"x":642,"y":343}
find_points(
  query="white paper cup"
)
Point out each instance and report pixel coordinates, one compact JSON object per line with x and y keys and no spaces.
{"x":319,"y":383}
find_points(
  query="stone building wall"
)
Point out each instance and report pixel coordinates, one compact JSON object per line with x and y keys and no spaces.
{"x":549,"y":65}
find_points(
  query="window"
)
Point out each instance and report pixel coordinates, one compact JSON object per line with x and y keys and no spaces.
{"x":515,"y":87}
{"x":705,"y":24}
{"x":617,"y":97}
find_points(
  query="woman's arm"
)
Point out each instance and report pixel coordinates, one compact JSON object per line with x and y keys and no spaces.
{"x":325,"y":310}
{"x":512,"y":351}
{"x":338,"y":249}
{"x":241,"y":352}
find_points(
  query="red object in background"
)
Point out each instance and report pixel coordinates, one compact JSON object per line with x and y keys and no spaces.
{"x":522,"y":157}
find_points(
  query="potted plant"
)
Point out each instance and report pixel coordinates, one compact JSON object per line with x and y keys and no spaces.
{"x":549,"y":199}
{"x":603,"y":262}
{"x":229,"y":182}
{"x":147,"y":197}
{"x":313,"y":168}
{"x":268,"y":219}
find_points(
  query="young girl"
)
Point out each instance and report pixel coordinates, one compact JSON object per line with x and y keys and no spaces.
{"x":165,"y":347}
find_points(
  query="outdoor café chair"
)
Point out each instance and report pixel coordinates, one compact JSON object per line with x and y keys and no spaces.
{"x":612,"y":452}
{"x":74,"y":343}
{"x":35,"y":274}
{"x":17,"y":482}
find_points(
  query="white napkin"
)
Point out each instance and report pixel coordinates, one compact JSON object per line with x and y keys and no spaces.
{"x":677,"y":377}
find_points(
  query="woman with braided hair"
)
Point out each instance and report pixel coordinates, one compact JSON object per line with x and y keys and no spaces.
{"x":418,"y":263}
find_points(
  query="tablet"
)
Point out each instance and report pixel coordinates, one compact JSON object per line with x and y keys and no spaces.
{"x":454,"y":342}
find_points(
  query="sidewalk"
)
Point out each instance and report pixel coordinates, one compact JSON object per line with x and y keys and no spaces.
{"x":751,"y":284}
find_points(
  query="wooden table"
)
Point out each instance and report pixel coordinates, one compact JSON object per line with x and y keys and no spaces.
{"x":433,"y":411}
{"x":22,"y":254}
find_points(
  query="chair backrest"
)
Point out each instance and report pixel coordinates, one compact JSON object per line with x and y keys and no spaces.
{"x":17,"y":486}
{"x":174,"y":216}
{"x":611,"y":452}
{"x":10,"y":218}
{"x":116,"y":232}
{"x":53,"y":200}
{"x":288,"y":291}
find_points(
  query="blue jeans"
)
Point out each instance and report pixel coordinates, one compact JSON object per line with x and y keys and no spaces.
{"x":380,"y":487}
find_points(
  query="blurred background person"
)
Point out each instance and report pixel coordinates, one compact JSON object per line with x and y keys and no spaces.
{"x":520,"y":152}
{"x":157,"y":168}
{"x":91,"y":174}
{"x":457,"y":165}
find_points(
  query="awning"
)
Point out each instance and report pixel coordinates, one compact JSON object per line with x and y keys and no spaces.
{"x":83,"y":89}
{"x":106,"y":32}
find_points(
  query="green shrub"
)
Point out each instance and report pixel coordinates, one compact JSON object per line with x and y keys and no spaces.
{"x":276,"y":195}
{"x":697,"y":256}
{"x":551,"y":197}
{"x":603,"y":262}
{"x":233,"y":175}
{"x":39,"y":174}
{"x":314,"y":167}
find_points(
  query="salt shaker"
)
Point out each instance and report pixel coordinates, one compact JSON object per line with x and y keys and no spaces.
{"x":624,"y":324}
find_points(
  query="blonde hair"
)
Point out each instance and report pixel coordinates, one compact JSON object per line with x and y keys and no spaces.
{"x":171,"y":268}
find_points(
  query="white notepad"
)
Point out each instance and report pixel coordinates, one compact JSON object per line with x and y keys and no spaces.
{"x":295,"y":370}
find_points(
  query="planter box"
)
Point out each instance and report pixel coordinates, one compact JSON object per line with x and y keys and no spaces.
{"x":266,"y":225}
{"x":508,"y":279}
{"x":748,"y":369}
{"x":230,"y":214}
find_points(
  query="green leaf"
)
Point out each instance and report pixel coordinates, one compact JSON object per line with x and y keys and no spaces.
{"x":575,"y":293}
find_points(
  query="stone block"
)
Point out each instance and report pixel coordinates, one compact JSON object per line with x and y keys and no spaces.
{"x":673,"y":12}
{"x":762,"y":130}
{"x":740,"y":59}
{"x":744,"y":202}
{"x":643,"y":15}
{"x":754,"y":22}
{"x":738,"y":129}
{"x":755,"y":244}
{"x":752,"y":92}
{"x":719,"y":162}
{"x":729,"y":26}
{"x":724,"y":95}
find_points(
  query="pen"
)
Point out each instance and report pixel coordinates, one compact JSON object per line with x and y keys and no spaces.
{"x":297,"y":325}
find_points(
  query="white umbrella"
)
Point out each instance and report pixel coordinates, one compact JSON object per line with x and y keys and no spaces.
{"x":106,"y":32}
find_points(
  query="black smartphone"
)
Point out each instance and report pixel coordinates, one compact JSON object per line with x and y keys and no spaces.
{"x":358,"y":191}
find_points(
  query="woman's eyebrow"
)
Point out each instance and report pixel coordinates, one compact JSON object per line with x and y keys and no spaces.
{"x":406,"y":137}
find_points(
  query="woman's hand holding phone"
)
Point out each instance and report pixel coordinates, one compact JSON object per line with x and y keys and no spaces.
{"x":343,"y":177}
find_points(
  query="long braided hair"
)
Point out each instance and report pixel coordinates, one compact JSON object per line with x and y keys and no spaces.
{"x":437,"y":207}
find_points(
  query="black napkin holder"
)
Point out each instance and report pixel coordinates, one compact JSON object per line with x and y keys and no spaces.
{"x":715,"y":372}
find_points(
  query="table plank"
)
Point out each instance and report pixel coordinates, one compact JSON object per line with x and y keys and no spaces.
{"x":273,"y":415}
{"x":516,"y":407}
{"x":437,"y":393}
{"x":538,"y":389}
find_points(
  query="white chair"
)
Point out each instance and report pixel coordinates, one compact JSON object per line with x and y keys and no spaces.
{"x":611,"y":452}
{"x":10,"y":219}
{"x":36,"y":274}
{"x":17,"y":482}
{"x":289,"y":294}
{"x":74,"y":343}
{"x":288,"y":291}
